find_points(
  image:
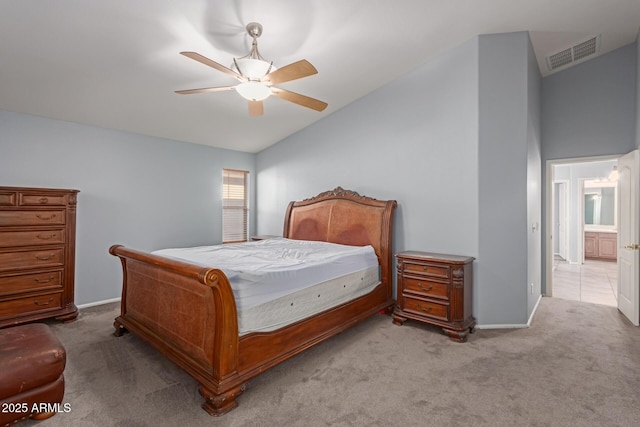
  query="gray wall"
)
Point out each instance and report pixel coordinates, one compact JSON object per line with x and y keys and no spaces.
{"x":534,"y":182}
{"x":413,"y":140}
{"x":139,"y":191}
{"x":509,"y":177}
{"x":590,"y":110}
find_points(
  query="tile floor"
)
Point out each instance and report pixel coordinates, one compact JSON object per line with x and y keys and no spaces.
{"x":594,"y":281}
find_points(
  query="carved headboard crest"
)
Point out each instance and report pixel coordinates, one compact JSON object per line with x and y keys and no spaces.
{"x":340,"y":192}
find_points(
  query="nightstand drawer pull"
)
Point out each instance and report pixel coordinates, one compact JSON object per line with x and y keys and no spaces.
{"x":425,"y":288}
{"x":44,"y":280}
{"x":43,"y":200}
{"x":36,"y":302}
{"x":45,"y":257}
{"x":425,"y":309}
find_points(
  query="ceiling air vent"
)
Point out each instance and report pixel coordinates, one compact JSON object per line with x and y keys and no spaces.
{"x":573,"y":54}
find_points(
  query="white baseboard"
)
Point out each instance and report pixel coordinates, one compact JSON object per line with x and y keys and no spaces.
{"x":514,"y":325}
{"x":93,"y":304}
{"x":504,"y":326}
{"x":533,"y":312}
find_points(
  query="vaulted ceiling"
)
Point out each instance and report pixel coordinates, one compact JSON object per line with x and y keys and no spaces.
{"x":116,"y":64}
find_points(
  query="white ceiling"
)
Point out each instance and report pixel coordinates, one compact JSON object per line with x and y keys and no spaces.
{"x":115,"y":64}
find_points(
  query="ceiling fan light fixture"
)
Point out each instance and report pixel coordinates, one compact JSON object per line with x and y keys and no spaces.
{"x":253,"y":91}
{"x":253,"y":69}
{"x":258,"y":76}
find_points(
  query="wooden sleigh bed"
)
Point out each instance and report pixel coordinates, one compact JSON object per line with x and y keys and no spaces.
{"x":188,"y":312}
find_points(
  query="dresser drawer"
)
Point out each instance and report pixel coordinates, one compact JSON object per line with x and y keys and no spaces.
{"x":425,"y":308}
{"x":31,"y":259}
{"x":20,"y":283}
{"x":35,"y":217}
{"x":433,"y":270}
{"x":20,"y":306}
{"x":426,"y":287}
{"x":7,"y":198}
{"x":32,"y":237}
{"x":41,"y":199}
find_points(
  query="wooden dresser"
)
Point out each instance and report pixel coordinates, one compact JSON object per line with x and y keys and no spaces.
{"x":37,"y":254}
{"x":435,"y":289}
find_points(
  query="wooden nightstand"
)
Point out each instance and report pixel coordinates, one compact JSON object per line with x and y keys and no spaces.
{"x":435,"y":289}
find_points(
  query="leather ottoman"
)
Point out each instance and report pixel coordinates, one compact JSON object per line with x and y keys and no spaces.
{"x":32,"y":362}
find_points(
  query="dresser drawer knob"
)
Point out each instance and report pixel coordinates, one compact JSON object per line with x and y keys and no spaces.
{"x":425,"y":309}
{"x":425,"y":288}
{"x":43,"y":200}
{"x":36,"y":302}
{"x":37,"y":279}
{"x":45,"y":257}
{"x":44,"y":237}
{"x":45,"y":218}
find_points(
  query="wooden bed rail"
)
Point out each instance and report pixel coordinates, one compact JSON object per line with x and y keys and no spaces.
{"x":204,"y":275}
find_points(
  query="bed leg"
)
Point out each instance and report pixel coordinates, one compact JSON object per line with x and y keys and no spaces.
{"x":120,"y":329}
{"x":220,"y":404}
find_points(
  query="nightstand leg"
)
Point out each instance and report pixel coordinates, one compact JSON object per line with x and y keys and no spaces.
{"x":398,"y":320}
{"x":457,"y":336}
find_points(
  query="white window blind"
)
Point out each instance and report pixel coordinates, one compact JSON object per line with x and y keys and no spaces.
{"x":235,"y":205}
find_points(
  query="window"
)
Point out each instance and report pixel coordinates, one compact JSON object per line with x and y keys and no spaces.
{"x":235,"y":205}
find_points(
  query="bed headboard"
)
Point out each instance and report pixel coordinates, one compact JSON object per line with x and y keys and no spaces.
{"x":345,"y":217}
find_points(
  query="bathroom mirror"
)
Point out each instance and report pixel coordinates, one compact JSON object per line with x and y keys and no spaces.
{"x":600,"y":206}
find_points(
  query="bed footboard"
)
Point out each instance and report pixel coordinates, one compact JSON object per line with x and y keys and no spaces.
{"x":188,"y":313}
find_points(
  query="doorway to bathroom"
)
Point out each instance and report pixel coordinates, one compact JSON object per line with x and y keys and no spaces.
{"x":584,"y":230}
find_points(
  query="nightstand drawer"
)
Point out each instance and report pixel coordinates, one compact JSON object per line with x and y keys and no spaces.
{"x":432,"y":270}
{"x":426,"y":287}
{"x":427,"y":308}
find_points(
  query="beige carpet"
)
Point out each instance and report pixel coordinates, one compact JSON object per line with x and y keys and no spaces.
{"x":577,"y":365}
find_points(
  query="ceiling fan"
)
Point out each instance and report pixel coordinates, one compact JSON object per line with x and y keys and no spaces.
{"x":258,"y":76}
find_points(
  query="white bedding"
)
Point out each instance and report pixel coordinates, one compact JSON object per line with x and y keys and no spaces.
{"x":264,"y":271}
